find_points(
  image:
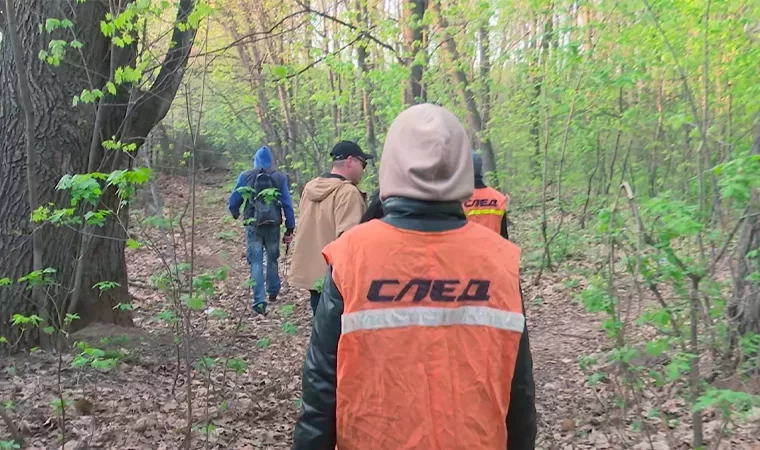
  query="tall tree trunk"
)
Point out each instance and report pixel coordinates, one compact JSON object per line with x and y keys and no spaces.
{"x":744,"y":306}
{"x":362,"y":55}
{"x":412,"y":14}
{"x":484,"y":55}
{"x":465,"y":93}
{"x":63,"y":136}
{"x":252,"y":62}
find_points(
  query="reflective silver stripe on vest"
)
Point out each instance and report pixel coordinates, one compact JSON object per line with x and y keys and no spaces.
{"x":423,"y":316}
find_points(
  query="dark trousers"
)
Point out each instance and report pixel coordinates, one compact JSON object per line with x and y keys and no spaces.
{"x":314,"y":300}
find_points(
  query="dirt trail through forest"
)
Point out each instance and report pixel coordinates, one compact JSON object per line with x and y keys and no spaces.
{"x":142,"y":403}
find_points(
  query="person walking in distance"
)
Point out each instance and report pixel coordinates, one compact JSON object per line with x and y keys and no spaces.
{"x":264,"y":195}
{"x":330,"y":205}
{"x":419,"y":340}
{"x":486,"y":206}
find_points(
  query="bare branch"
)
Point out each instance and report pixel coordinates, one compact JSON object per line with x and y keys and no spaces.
{"x":152,"y":106}
{"x":363,"y":33}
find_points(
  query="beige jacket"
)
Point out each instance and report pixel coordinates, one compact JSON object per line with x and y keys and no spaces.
{"x":329,"y":206}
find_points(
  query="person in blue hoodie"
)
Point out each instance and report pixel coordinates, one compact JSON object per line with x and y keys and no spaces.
{"x":264,"y":237}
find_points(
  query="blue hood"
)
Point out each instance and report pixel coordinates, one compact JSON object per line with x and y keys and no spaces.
{"x":263,"y":158}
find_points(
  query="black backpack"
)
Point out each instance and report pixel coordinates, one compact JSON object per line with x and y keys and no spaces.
{"x":263,"y":206}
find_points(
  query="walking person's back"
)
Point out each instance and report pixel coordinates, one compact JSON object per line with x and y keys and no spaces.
{"x":486,"y":206}
{"x":419,"y":340}
{"x":264,"y":195}
{"x":330,"y":205}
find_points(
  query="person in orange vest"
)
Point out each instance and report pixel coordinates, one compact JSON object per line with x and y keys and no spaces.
{"x":419,"y":340}
{"x":487,"y":206}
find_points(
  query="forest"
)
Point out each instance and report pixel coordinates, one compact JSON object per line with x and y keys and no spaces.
{"x":626,"y":134}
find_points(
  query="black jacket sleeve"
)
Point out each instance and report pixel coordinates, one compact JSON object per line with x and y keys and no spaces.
{"x":374,"y":210}
{"x":315,"y":429}
{"x":504,"y":223}
{"x":521,"y":417}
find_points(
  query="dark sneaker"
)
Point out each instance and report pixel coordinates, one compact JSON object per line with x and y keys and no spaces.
{"x":260,"y":309}
{"x":272,"y":298}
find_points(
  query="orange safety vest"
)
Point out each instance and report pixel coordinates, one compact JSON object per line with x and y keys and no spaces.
{"x":487,"y":207}
{"x":431,"y":327}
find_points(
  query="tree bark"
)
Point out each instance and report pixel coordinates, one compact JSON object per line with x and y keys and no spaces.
{"x":362,"y":55}
{"x":744,"y":306}
{"x":462,"y":85}
{"x":25,"y":98}
{"x":412,"y":13}
{"x":63,"y":135}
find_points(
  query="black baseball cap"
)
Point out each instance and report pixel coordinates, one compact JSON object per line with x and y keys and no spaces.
{"x":344,"y":149}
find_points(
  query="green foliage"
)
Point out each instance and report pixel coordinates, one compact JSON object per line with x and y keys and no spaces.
{"x":59,"y":405}
{"x":319,"y":285}
{"x":226,"y":235}
{"x":104,"y":286}
{"x":237,"y":365}
{"x":22,"y":321}
{"x":167,"y":316}
{"x":204,"y":429}
{"x":205,"y":364}
{"x":289,"y":328}
{"x":728,"y":402}
{"x":96,"y":358}
{"x":738,"y":177}
{"x":9,"y":445}
{"x":264,"y":342}
{"x":286,"y":310}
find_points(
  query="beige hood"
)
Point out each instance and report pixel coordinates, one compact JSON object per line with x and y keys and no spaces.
{"x":427,"y":156}
{"x":320,"y":188}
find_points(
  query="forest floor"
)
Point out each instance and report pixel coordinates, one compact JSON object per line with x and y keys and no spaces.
{"x":248,"y":390}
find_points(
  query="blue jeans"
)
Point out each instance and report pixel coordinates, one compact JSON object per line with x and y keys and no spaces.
{"x":263,"y":239}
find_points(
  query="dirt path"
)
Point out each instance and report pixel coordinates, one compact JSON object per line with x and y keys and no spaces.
{"x":142,"y":402}
{"x":560,"y":332}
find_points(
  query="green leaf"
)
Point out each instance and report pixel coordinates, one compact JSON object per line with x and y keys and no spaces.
{"x":133,"y":244}
{"x":111,"y":88}
{"x":52,"y":25}
{"x":289,"y":328}
{"x":237,"y":365}
{"x":280,"y":71}
{"x":657,"y":347}
{"x":194,"y":302}
{"x":104,"y":365}
{"x":71,"y":317}
{"x":264,"y":342}
{"x":103,"y":286}
{"x":79,"y":362}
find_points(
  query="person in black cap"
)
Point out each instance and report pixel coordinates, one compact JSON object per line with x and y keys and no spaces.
{"x":330,"y":205}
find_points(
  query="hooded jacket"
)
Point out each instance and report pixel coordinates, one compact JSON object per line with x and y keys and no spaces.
{"x":329,"y":206}
{"x":379,"y":372}
{"x":263,"y":160}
